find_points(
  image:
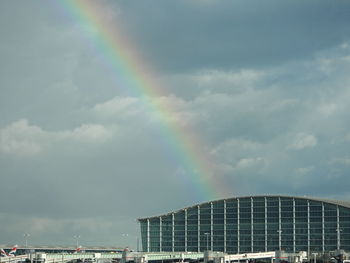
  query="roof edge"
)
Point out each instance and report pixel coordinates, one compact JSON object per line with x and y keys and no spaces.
{"x":345,"y":204}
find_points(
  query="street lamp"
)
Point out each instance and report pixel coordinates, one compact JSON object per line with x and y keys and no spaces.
{"x":26,"y":236}
{"x":126,"y":239}
{"x":207,"y":235}
{"x":137,"y":243}
{"x":279,"y":239}
{"x":338,"y":237}
{"x":77,"y":239}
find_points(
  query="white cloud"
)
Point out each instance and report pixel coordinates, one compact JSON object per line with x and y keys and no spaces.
{"x":232,"y":81}
{"x":180,"y":112}
{"x":249,"y":162}
{"x":22,"y":139}
{"x":133,"y":110}
{"x":93,"y":133}
{"x":238,"y":78}
{"x":121,"y":107}
{"x":304,"y":170}
{"x":302,"y":141}
{"x":237,"y":145}
{"x":343,"y":161}
{"x":327,"y":109}
{"x":237,"y":155}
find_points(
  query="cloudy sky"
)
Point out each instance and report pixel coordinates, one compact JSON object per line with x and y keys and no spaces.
{"x":264,"y":86}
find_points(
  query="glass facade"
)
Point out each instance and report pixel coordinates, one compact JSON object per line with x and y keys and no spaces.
{"x":251,"y":224}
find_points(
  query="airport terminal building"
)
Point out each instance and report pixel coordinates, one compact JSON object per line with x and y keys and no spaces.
{"x":251,"y":224}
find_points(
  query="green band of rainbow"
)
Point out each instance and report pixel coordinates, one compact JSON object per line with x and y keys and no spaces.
{"x":136,"y":76}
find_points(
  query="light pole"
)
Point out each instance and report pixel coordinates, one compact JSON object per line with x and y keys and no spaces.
{"x":26,"y":236}
{"x":338,"y":237}
{"x":207,"y":235}
{"x":279,"y":239}
{"x":126,"y":238}
{"x":77,"y":239}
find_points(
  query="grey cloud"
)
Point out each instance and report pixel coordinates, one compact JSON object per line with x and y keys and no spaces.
{"x":93,"y":231}
{"x":302,"y":141}
{"x":187,"y":35}
{"x":264,"y":86}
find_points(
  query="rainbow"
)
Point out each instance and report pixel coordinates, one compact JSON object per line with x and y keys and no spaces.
{"x":135,"y":75}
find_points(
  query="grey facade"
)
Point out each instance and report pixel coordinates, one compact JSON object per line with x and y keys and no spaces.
{"x":251,"y":224}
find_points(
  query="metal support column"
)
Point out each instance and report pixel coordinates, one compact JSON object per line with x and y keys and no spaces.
{"x":211,"y":225}
{"x":160,"y":234}
{"x":172,"y":232}
{"x":199,"y":229}
{"x":238,"y":223}
{"x":294,"y":236}
{"x":185,"y":230}
{"x":338,"y":230}
{"x":265,"y":224}
{"x":279,"y":225}
{"x":148,"y":238}
{"x":225,"y":237}
{"x":323,"y":232}
{"x":251,"y":225}
{"x":308,"y":228}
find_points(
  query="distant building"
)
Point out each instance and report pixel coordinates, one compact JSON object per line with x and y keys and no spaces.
{"x":251,"y":224}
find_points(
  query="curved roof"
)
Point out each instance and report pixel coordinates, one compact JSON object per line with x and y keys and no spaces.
{"x":345,"y":204}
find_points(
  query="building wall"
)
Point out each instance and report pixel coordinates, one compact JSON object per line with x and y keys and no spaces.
{"x":251,"y":224}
